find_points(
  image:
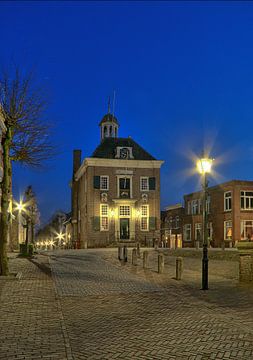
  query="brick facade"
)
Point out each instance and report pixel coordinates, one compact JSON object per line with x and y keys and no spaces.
{"x":102,"y":212}
{"x":230,"y":215}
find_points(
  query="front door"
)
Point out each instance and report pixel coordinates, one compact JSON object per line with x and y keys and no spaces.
{"x":124,"y":229}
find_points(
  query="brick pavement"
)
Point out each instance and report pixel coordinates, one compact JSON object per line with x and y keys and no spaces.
{"x":97,"y":309}
{"x":30,"y":323}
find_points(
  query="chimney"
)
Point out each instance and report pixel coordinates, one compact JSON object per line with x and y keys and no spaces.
{"x":76,"y":161}
{"x":74,"y":195}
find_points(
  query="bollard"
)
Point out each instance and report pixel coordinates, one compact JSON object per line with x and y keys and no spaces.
{"x":120,"y":252}
{"x":160,"y":263}
{"x":134,"y":257}
{"x":138,"y":250}
{"x":125,"y":253}
{"x":179,"y":268}
{"x":223,"y":245}
{"x":145,"y":259}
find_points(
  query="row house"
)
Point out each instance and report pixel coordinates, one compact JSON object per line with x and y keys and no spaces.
{"x":172,"y":225}
{"x":229,"y":209}
{"x":115,"y":191}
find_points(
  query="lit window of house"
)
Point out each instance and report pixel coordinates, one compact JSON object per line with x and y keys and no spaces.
{"x":104,"y":182}
{"x":247,"y":230}
{"x":187,"y":232}
{"x":124,"y":210}
{"x":144,"y":185}
{"x":104,"y":221}
{"x":227,"y":201}
{"x":144,"y":217}
{"x":247,"y":200}
{"x":198,"y":232}
{"x":228,"y":230}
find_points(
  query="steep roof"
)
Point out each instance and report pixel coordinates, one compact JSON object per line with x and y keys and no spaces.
{"x":107,"y":149}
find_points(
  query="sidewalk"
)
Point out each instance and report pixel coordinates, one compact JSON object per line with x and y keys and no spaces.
{"x":30,"y":320}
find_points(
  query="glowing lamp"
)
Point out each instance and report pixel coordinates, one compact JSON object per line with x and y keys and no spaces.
{"x":204,"y":165}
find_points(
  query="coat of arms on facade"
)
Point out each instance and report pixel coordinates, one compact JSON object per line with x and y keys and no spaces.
{"x":104,"y":197}
{"x":144,"y":197}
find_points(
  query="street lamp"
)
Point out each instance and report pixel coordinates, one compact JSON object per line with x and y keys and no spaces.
{"x":204,"y":166}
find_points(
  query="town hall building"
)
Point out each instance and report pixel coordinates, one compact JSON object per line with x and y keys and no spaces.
{"x":115,"y":191}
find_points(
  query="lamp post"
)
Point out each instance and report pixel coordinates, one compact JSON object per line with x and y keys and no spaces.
{"x":204,"y":166}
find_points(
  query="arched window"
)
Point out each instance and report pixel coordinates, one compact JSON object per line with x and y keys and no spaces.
{"x":110,"y":131}
{"x":105,"y":131}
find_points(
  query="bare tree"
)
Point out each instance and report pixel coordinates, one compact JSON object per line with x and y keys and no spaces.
{"x":26,"y":140}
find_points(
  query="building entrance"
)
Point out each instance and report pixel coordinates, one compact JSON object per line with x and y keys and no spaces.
{"x":124,"y":229}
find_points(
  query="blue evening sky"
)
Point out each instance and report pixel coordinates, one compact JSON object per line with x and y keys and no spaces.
{"x":182,"y":71}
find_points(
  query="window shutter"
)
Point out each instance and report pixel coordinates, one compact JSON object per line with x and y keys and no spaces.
{"x":96,"y":182}
{"x":152,"y":223}
{"x":152,"y":184}
{"x":96,"y":223}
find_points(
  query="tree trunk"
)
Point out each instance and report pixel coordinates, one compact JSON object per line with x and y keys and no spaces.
{"x":6,"y":192}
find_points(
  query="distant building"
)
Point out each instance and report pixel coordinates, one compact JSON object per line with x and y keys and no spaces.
{"x":115,"y":192}
{"x":172,"y":226}
{"x":230,"y":214}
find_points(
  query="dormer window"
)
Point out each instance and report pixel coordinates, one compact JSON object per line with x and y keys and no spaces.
{"x":124,"y":152}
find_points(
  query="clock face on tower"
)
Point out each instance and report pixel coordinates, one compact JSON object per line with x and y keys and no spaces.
{"x":124,"y":153}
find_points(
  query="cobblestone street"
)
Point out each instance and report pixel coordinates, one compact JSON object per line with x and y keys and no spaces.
{"x":94,"y":308}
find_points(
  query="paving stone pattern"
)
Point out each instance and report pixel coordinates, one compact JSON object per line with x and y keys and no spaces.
{"x":30,"y":324}
{"x":94,"y":308}
{"x":91,"y":275}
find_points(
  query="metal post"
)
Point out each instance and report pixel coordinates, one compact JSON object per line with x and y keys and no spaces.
{"x":204,"y":232}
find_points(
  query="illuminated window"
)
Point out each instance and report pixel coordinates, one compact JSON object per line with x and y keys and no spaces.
{"x":124,"y":210}
{"x":144,"y":184}
{"x":144,"y":217}
{"x":187,"y":232}
{"x":104,"y":182}
{"x":228,"y":230}
{"x":227,"y":201}
{"x":247,"y":230}
{"x":247,"y":200}
{"x":104,"y":221}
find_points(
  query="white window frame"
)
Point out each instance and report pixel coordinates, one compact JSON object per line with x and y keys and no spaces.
{"x":188,"y":227}
{"x":141,"y":184}
{"x":245,"y":197}
{"x":104,"y":216}
{"x":228,"y":227}
{"x":131,"y":184}
{"x":197,"y":226}
{"x":243,"y":229}
{"x":101,"y":182}
{"x":195,"y":207}
{"x":145,"y":217}
{"x":227,"y":201}
{"x":125,"y":211}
